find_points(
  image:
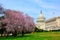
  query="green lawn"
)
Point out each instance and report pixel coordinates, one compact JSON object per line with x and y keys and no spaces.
{"x":35,"y":36}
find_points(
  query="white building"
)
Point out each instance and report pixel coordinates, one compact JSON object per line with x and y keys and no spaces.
{"x":40,"y":23}
{"x":50,"y":24}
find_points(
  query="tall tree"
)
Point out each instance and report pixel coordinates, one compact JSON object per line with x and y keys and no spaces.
{"x":18,"y":22}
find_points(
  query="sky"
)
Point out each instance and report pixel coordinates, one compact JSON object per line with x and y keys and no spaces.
{"x":50,"y":8}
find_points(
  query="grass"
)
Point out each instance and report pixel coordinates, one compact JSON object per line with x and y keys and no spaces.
{"x":35,"y":36}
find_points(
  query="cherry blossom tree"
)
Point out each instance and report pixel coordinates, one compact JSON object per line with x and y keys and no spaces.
{"x":17,"y":22}
{"x":29,"y":23}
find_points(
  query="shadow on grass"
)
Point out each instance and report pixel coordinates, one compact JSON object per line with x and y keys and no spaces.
{"x":11,"y":37}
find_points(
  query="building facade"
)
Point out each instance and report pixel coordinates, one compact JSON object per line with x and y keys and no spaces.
{"x":50,"y":24}
{"x":40,"y":23}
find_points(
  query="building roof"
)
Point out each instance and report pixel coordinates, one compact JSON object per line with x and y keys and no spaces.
{"x":51,"y":19}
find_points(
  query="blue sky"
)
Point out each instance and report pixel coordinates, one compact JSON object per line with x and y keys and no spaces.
{"x":50,"y":8}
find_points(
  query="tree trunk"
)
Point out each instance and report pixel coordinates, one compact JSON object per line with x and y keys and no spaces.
{"x":22,"y":33}
{"x":14,"y":34}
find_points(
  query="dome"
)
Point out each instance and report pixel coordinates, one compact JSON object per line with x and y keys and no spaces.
{"x":41,"y":16}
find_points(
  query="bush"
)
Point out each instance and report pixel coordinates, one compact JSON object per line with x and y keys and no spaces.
{"x":55,"y":30}
{"x":38,"y":30}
